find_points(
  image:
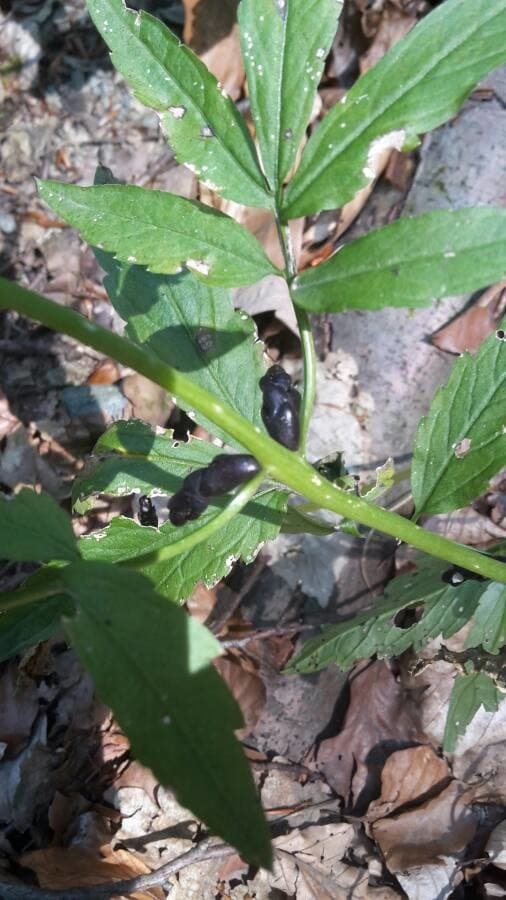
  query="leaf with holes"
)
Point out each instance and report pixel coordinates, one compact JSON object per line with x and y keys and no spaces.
{"x":489,"y":620}
{"x":284,"y":46}
{"x":209,"y":561}
{"x":444,"y":609}
{"x":193,"y":327}
{"x":33,"y":528}
{"x":200,"y":121}
{"x":151,"y":663}
{"x":411,"y":262}
{"x":469,"y":693}
{"x":419,"y":84}
{"x":132,"y":456}
{"x":461,"y":443}
{"x":161,"y":231}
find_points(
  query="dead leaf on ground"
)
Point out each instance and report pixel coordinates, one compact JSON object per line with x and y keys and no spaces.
{"x":408,"y":776}
{"x":470,"y":328}
{"x":19,"y":706}
{"x":467,"y":526}
{"x":393,"y":26}
{"x":240,"y":672}
{"x":67,"y":867}
{"x":212,"y":32}
{"x":443,"y":826}
{"x":496,"y":846}
{"x":105,"y":372}
{"x":149,"y":401}
{"x":380,"y":719}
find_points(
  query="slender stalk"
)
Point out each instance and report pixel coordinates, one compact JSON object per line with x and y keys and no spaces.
{"x":278,"y":462}
{"x":306,"y":337}
{"x":237,"y":503}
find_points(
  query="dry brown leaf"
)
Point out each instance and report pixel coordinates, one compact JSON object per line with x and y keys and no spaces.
{"x":379,"y":720}
{"x":240,"y":673}
{"x":211,"y":30}
{"x":393,"y":26}
{"x":149,"y":401}
{"x":19,"y":706}
{"x":471,"y":327}
{"x":105,"y":372}
{"x":440,"y":827}
{"x":67,"y":867}
{"x":138,"y":776}
{"x":467,"y":526}
{"x":408,"y":776}
{"x":202,"y":602}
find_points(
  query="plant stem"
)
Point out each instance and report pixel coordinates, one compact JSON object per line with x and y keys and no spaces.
{"x":278,"y":462}
{"x":237,"y":503}
{"x":306,"y":337}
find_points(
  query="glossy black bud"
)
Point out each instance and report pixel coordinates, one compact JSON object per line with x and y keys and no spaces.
{"x":280,"y":407}
{"x":184,"y":506}
{"x":226,"y":472}
{"x":147,"y":512}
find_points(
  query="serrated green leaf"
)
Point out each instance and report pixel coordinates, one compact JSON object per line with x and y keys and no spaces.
{"x":445,"y":609}
{"x":461,"y":443}
{"x":175,"y":578}
{"x":284,"y":46}
{"x":410,"y":262}
{"x":150,"y":662}
{"x":194,"y":328}
{"x":200,"y":121}
{"x":161,"y":231}
{"x":468,"y":694}
{"x":419,"y":84}
{"x":132,"y":456}
{"x":33,"y":528}
{"x":489,"y":620}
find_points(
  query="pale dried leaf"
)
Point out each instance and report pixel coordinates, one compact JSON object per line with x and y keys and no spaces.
{"x":471,"y":327}
{"x":407,"y":777}
{"x":211,"y":31}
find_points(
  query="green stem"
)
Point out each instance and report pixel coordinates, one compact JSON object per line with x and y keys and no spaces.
{"x":237,"y":503}
{"x":306,"y":337}
{"x":278,"y":463}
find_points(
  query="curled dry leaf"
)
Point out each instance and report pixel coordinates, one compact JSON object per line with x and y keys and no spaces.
{"x":439,"y":827}
{"x":408,"y":776}
{"x":240,"y":672}
{"x":467,"y":526}
{"x":470,"y":328}
{"x":379,"y":720}
{"x":67,"y":867}
{"x":212,"y":32}
{"x":394,"y":24}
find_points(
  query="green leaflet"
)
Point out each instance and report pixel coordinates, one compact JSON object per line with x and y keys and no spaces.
{"x":209,"y":561}
{"x":461,"y":443}
{"x":133,"y":456}
{"x":445,"y":609}
{"x":20,"y":628}
{"x":200,"y":121}
{"x":33,"y":528}
{"x":489,"y":620}
{"x":161,"y":231}
{"x":151,"y":663}
{"x":284,"y":46}
{"x":468,"y":694}
{"x":420,"y":83}
{"x":410,"y":262}
{"x":192,"y":326}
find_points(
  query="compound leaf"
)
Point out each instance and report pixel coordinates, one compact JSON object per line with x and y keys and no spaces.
{"x":161,"y":231}
{"x":444,"y":609}
{"x":33,"y":528}
{"x":461,"y":443}
{"x":489,"y":620}
{"x":151,"y":663}
{"x":410,"y":262}
{"x":201,"y":123}
{"x":284,"y":46}
{"x":209,"y":561}
{"x":419,"y":84}
{"x":193,"y":327}
{"x":468,"y":694}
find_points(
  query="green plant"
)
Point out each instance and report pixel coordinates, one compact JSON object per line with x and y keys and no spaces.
{"x":170,"y":264}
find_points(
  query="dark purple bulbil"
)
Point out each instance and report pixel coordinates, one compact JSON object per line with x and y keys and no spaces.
{"x":280,"y":407}
{"x":224,"y":473}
